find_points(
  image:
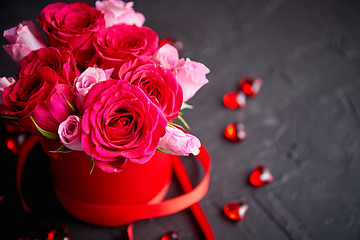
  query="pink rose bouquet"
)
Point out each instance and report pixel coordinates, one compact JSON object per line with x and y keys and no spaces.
{"x":100,"y":84}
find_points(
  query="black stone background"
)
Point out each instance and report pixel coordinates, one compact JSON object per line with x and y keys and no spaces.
{"x":304,"y":125}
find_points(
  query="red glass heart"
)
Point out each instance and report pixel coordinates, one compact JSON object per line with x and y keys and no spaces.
{"x":260,"y":176}
{"x":235,"y":132}
{"x":234,"y":100}
{"x":251,"y":86}
{"x":170,"y":235}
{"x":14,"y":142}
{"x":59,"y":233}
{"x":236,"y":211}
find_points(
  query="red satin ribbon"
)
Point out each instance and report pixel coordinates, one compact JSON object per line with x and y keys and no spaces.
{"x":132,"y":213}
{"x":26,"y":148}
{"x":186,"y":185}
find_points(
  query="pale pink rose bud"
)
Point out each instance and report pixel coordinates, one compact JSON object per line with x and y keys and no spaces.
{"x":70,"y":133}
{"x":87,"y":80}
{"x":23,"y":39}
{"x":5,"y":82}
{"x":118,"y":12}
{"x":167,"y":56}
{"x":191,"y":76}
{"x":178,"y":142}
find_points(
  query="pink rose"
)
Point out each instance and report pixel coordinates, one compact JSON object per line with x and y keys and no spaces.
{"x":5,"y":82}
{"x":117,"y":12}
{"x":72,"y":25}
{"x":61,"y":60}
{"x":41,"y":97}
{"x":178,"y":142}
{"x":191,"y":75}
{"x":23,"y":39}
{"x":167,"y":56}
{"x":70,"y":133}
{"x":159,"y":84}
{"x":85,"y":82}
{"x":121,"y":43}
{"x":120,"y":124}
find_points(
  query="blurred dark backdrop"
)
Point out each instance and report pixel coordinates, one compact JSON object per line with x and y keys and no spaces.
{"x":304,"y":125}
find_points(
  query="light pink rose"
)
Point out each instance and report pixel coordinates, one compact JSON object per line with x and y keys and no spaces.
{"x":191,"y":75}
{"x":167,"y":56}
{"x":117,"y":12}
{"x":178,"y":142}
{"x":23,"y":39}
{"x":86,"y":81}
{"x":5,"y":82}
{"x":70,"y":133}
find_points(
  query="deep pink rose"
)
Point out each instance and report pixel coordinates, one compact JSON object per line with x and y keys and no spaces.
{"x":117,"y":12}
{"x":191,"y":75}
{"x":41,"y":97}
{"x":61,"y":60}
{"x":159,"y":84}
{"x":120,"y":123}
{"x":122,"y":43}
{"x":178,"y":142}
{"x":72,"y":25}
{"x":23,"y":39}
{"x":70,"y":133}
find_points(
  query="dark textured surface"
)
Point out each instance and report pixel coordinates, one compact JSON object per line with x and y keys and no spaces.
{"x":304,"y":125}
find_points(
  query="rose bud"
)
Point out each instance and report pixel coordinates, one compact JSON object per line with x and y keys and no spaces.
{"x":86,"y":81}
{"x":23,"y":39}
{"x":167,"y":56}
{"x":178,"y":142}
{"x":70,"y":133}
{"x":191,"y":75}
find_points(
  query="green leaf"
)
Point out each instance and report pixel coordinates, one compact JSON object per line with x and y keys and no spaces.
{"x":182,"y":120}
{"x":186,"y":106}
{"x":70,"y":105}
{"x":92,"y":163}
{"x":62,"y":149}
{"x":43,"y":132}
{"x":176,"y":125}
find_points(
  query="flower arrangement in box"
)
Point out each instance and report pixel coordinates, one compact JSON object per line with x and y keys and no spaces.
{"x":100,"y":86}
